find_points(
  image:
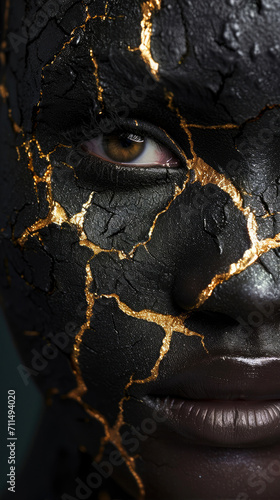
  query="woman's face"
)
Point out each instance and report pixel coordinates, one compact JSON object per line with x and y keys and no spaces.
{"x":140,"y":221}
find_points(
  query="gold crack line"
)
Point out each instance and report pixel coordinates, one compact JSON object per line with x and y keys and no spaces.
{"x":169,"y":96}
{"x":178,"y":192}
{"x":4,"y":92}
{"x":5,"y":30}
{"x":78,"y":221}
{"x":88,"y":18}
{"x":148,"y":9}
{"x":81,"y":388}
{"x":229,"y":126}
{"x":57,"y":215}
{"x":168,"y":323}
{"x":96,"y":75}
{"x":111,"y":434}
{"x":226,"y":126}
{"x":26,"y":145}
{"x":205,"y":174}
{"x":250,"y":256}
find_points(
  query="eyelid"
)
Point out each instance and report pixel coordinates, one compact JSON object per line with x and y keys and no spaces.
{"x":147,"y":130}
{"x":152,"y":154}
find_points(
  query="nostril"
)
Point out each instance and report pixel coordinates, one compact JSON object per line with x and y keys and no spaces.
{"x":214,"y":321}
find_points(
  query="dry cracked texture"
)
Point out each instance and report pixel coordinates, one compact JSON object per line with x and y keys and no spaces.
{"x":203,"y":174}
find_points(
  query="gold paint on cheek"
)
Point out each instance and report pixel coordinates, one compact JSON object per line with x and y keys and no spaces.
{"x":259,"y":248}
{"x":53,"y":391}
{"x":78,"y":220}
{"x":17,"y":129}
{"x":57,"y":215}
{"x":148,"y":9}
{"x":178,"y":191}
{"x":112,"y":435}
{"x":81,"y":388}
{"x":4,"y":93}
{"x":207,"y":175}
{"x":28,"y":333}
{"x":168,"y":323}
{"x":103,"y":495}
{"x":204,"y":174}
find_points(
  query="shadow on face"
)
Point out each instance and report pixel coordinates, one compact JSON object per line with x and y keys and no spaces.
{"x":139,"y":215}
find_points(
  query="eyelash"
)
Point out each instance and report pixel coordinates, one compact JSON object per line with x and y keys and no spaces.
{"x":98,"y":171}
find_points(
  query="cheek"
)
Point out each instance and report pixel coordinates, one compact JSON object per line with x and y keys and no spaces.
{"x":116,"y":348}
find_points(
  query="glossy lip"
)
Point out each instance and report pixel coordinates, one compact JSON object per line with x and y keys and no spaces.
{"x":223,"y":401}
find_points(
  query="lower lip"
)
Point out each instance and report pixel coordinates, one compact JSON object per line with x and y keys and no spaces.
{"x":233,"y":424}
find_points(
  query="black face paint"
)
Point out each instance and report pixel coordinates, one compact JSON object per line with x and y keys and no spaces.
{"x":155,"y":283}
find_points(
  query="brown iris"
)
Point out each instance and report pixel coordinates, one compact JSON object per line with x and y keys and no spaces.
{"x":123,"y":148}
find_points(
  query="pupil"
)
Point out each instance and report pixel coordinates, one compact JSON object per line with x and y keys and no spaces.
{"x":123,"y":147}
{"x":125,"y":142}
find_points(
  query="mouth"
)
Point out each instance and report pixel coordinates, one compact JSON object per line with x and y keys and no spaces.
{"x":224,"y":402}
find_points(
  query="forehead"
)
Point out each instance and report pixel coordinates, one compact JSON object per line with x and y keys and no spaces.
{"x":220,"y":59}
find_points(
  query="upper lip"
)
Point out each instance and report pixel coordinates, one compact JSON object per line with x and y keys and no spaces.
{"x":223,"y":378}
{"x":222,"y":402}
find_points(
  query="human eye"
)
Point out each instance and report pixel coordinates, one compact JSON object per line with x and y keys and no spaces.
{"x":128,"y":149}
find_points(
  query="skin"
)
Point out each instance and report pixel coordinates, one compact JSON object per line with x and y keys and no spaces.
{"x":217,"y":70}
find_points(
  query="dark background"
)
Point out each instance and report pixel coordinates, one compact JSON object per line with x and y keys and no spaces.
{"x":28,"y":406}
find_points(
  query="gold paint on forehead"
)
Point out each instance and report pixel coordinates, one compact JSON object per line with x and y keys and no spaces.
{"x":148,"y":9}
{"x":97,"y":80}
{"x":83,"y":26}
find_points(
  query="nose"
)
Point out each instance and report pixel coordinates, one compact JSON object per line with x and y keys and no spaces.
{"x":249,"y":297}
